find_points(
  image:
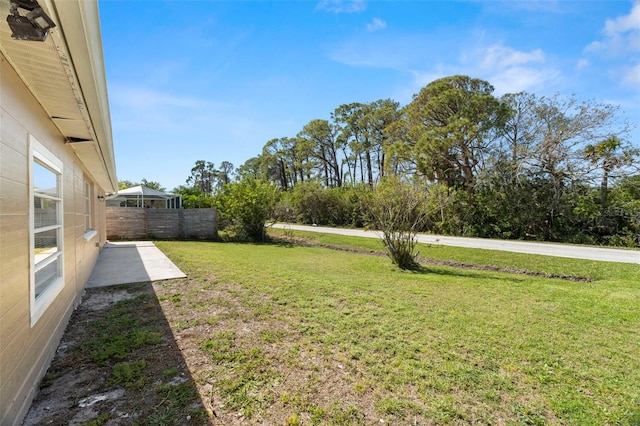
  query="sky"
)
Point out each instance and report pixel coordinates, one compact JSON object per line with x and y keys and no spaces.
{"x":216,"y":80}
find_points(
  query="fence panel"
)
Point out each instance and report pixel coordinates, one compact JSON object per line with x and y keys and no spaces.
{"x":132,"y":223}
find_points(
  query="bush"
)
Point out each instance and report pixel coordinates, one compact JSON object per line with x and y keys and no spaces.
{"x":314,"y":204}
{"x":247,"y":204}
{"x":284,"y":210}
{"x":398,"y":209}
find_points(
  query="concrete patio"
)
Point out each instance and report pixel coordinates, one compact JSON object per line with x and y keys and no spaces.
{"x":132,"y":262}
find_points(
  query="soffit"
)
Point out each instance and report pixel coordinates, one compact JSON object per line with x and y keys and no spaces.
{"x":48,"y":70}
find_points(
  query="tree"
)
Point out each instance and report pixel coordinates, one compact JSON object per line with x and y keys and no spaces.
{"x":248,"y":204}
{"x":124,"y":184}
{"x":566,"y":126}
{"x":508,"y":204}
{"x":193,"y":198}
{"x":250,"y":169}
{"x":397,"y":209}
{"x":349,"y":119}
{"x":323,"y":144}
{"x":609,"y":156}
{"x":381,"y":115}
{"x":224,"y":173}
{"x":518,"y":134}
{"x":278,"y":162}
{"x":363,"y":130}
{"x":153,"y":185}
{"x":450,"y":125}
{"x":623,"y":213}
{"x":203,"y":176}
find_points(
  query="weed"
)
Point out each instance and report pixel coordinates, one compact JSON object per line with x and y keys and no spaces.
{"x":185,"y":324}
{"x":293,"y":420}
{"x":398,"y":408}
{"x":345,"y":416}
{"x":246,"y":385}
{"x":98,"y":421}
{"x":163,"y":417}
{"x":528,"y":415}
{"x":272,"y":336}
{"x":133,"y":301}
{"x":317,"y":413}
{"x":117,"y":335}
{"x":49,"y":378}
{"x":169,"y":372}
{"x":130,"y":374}
{"x":178,"y":395}
{"x":174,"y":299}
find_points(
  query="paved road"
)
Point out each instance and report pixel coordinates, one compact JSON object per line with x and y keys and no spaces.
{"x":547,"y":249}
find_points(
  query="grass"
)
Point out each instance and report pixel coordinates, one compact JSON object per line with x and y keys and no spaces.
{"x":102,"y":419}
{"x":595,"y":270}
{"x":129,"y":342}
{"x":119,"y":333}
{"x":129,"y":374}
{"x":307,"y":335}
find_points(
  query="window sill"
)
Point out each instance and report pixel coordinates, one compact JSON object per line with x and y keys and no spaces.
{"x":90,"y":234}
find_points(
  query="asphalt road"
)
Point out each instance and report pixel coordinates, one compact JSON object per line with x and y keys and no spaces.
{"x":547,"y":249}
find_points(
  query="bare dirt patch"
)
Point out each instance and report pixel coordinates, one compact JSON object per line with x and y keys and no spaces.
{"x":98,"y":379}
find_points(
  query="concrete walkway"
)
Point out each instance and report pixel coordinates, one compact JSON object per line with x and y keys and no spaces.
{"x":546,"y":249}
{"x":132,"y":262}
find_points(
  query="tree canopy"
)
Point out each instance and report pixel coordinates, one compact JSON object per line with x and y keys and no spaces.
{"x":516,"y":166}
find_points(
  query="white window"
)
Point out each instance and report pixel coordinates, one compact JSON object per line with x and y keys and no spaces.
{"x":46,"y":229}
{"x":86,"y":205}
{"x":87,"y":212}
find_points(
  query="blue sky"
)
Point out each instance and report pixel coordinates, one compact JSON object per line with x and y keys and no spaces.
{"x":216,"y":80}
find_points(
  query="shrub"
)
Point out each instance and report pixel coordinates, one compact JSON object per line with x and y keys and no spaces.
{"x":398,"y":209}
{"x":248,"y":204}
{"x":327,"y":206}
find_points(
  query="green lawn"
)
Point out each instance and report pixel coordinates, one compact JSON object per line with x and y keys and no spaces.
{"x":308,"y":335}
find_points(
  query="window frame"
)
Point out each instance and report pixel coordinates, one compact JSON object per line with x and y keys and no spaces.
{"x":86,"y":205}
{"x":87,"y":209}
{"x":38,"y":305}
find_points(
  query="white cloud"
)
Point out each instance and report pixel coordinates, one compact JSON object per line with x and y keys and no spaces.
{"x":631,"y":75}
{"x":376,"y":24}
{"x":553,"y":6}
{"x":582,"y":64}
{"x":498,"y":56}
{"x":342,"y":6}
{"x":509,"y":70}
{"x":623,"y":24}
{"x":621,"y":35}
{"x":381,"y":51}
{"x":620,"y":46}
{"x":146,"y":98}
{"x":512,"y":79}
{"x":518,"y":79}
{"x":144,"y":109}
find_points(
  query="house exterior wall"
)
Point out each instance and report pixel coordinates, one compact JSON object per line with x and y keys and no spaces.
{"x":26,"y":349}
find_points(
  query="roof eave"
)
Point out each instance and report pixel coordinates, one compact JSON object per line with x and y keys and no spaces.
{"x":79,"y":29}
{"x":66,"y":75}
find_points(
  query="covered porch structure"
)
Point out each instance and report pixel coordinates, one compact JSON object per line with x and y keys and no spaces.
{"x":142,"y":196}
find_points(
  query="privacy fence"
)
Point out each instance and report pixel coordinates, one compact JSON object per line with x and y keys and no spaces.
{"x":132,"y":223}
